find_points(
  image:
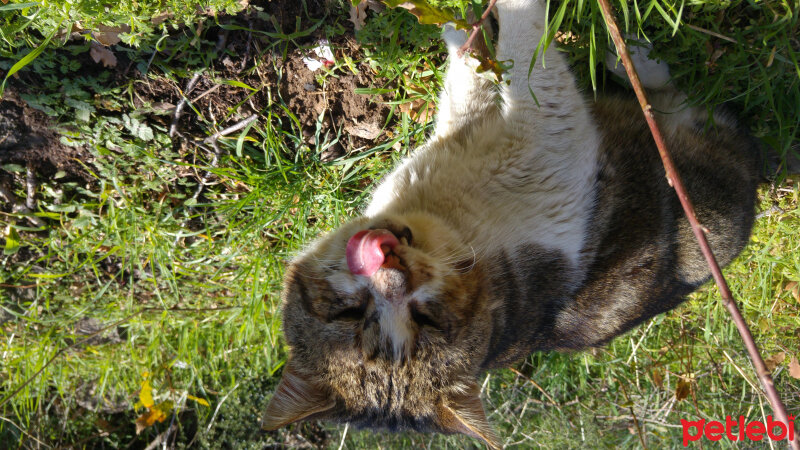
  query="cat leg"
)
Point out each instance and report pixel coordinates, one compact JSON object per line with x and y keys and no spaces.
{"x":561,"y":112}
{"x":466,"y":97}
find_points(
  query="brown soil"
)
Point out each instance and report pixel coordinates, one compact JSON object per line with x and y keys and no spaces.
{"x":27,"y":139}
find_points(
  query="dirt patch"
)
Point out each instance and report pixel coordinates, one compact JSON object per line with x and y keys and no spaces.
{"x":311,"y":96}
{"x":27,"y":139}
{"x":360,"y":118}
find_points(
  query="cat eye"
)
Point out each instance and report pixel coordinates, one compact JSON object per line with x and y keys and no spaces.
{"x":350,"y":314}
{"x":422,"y":319}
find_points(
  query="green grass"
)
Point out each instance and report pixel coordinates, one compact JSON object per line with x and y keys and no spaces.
{"x":190,"y":289}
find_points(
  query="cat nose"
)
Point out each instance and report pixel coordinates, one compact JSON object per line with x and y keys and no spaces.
{"x":368,"y":250}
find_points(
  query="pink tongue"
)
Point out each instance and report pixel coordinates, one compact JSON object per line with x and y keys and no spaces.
{"x":364,"y":253}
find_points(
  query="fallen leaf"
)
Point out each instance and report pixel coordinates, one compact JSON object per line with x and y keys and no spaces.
{"x":107,"y":35}
{"x":365,"y":130}
{"x":149,"y":418}
{"x":418,"y":110}
{"x":775,"y":360}
{"x":358,"y":15}
{"x":146,"y":394}
{"x":157,"y":413}
{"x":429,"y":15}
{"x":158,"y":19}
{"x":683,"y":389}
{"x":658,"y":378}
{"x":102,"y":55}
{"x":794,"y":368}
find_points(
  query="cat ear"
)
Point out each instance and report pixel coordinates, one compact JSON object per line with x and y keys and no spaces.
{"x":294,"y":399}
{"x":464,"y":414}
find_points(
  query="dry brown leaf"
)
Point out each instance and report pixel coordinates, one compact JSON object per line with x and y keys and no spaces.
{"x":358,"y":15}
{"x":775,"y":360}
{"x":658,"y":378}
{"x":158,"y":19}
{"x":107,"y":35}
{"x":683,"y":389}
{"x":365,"y":130}
{"x":418,"y":110}
{"x":794,"y":368}
{"x":102,"y":55}
{"x":794,"y":287}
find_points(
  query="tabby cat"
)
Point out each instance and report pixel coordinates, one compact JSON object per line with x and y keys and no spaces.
{"x":517,"y":227}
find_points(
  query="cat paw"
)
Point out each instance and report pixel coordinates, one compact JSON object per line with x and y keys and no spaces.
{"x":654,"y":74}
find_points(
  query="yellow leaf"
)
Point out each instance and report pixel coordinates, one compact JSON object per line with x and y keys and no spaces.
{"x":149,"y":418}
{"x":202,"y":401}
{"x":164,"y":407}
{"x":146,"y":394}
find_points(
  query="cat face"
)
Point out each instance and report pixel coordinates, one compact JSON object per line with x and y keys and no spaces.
{"x":396,"y":344}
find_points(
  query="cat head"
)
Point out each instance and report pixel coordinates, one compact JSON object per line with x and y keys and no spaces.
{"x":387,"y":324}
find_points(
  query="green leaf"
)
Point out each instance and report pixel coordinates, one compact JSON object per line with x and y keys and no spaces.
{"x":15,"y":6}
{"x":242,"y":136}
{"x":28,"y":58}
{"x":16,"y":168}
{"x":137,"y":128}
{"x":12,"y":241}
{"x":427,"y":14}
{"x":239,"y":84}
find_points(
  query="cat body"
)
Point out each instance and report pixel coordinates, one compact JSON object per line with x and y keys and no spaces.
{"x":515,"y":228}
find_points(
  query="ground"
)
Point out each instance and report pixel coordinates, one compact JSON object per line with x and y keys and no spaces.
{"x":142,"y":282}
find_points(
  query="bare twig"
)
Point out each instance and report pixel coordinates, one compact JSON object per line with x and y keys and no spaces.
{"x":217,"y":153}
{"x":633,"y":414}
{"x":18,"y":208}
{"x":30,"y":184}
{"x":161,"y":438}
{"x":711,"y":33}
{"x":219,"y":405}
{"x":699,"y":232}
{"x":536,"y":385}
{"x":176,"y":116}
{"x":208,"y":91}
{"x":476,"y":28}
{"x":231,"y":129}
{"x":344,"y":435}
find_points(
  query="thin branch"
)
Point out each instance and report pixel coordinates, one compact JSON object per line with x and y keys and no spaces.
{"x":711,"y":33}
{"x":476,"y":28}
{"x":698,"y":230}
{"x":176,"y":116}
{"x":633,"y":414}
{"x":231,"y":129}
{"x":161,"y":438}
{"x":30,"y":184}
{"x":18,"y":208}
{"x":536,"y":385}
